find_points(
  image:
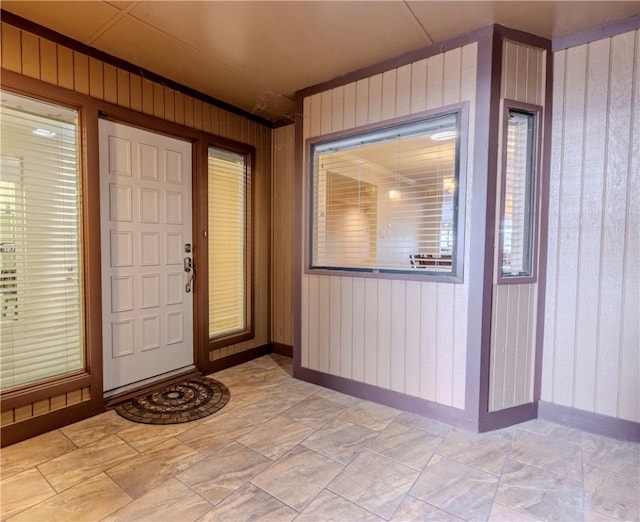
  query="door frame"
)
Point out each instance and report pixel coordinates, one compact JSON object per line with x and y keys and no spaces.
{"x":142,"y":366}
{"x":86,"y":388}
{"x":158,"y":126}
{"x":200,"y":143}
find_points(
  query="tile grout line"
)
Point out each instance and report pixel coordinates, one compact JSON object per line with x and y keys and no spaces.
{"x":609,"y":454}
{"x":500,"y":477}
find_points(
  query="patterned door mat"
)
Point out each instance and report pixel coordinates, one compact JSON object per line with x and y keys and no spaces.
{"x":187,"y":401}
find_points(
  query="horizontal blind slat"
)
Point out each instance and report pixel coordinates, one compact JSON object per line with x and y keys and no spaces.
{"x":41,"y":288}
{"x":227,"y":216}
{"x":385,"y":197}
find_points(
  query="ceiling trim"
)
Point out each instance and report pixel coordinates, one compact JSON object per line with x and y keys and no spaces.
{"x":60,"y":39}
{"x":597,"y":33}
{"x":284,"y":122}
{"x":523,"y":37}
{"x":426,"y":52}
{"x":399,"y":61}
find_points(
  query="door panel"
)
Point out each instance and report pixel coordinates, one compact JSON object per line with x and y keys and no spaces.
{"x":145,"y":195}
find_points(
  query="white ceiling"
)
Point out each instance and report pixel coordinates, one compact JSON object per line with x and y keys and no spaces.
{"x":256,"y":54}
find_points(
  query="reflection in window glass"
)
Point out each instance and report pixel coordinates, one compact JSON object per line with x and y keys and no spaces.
{"x":386,"y":199}
{"x":519,"y":192}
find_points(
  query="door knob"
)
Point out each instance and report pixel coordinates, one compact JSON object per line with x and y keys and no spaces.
{"x":190,"y":268}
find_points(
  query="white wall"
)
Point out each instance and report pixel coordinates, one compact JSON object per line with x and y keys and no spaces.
{"x":591,"y":357}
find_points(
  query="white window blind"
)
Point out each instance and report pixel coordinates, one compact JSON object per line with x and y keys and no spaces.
{"x":387,"y":199}
{"x":519,"y":192}
{"x":228,"y":219}
{"x":41,"y":287}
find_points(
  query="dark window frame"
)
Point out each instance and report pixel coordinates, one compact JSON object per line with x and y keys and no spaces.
{"x":80,"y":110}
{"x":460,"y":199}
{"x":536,"y":111}
{"x":248,"y":152}
{"x":90,"y":378}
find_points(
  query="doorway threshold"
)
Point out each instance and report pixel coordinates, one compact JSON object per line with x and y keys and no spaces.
{"x":117,"y":395}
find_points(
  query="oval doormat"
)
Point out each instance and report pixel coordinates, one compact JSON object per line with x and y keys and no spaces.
{"x":183,"y":402}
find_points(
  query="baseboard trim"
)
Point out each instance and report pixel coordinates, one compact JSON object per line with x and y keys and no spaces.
{"x":237,"y":358}
{"x":426,"y":408}
{"x":282,"y":349}
{"x":496,"y":420}
{"x":591,"y":422}
{"x":34,"y":426}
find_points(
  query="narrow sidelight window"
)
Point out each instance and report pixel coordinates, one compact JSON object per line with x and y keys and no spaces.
{"x":41,"y":263}
{"x":518,"y":195}
{"x":386,"y":200}
{"x":228,"y":237}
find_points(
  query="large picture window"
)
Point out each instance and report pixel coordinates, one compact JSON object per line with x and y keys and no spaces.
{"x":518,"y":194}
{"x":386,"y":199}
{"x":41,"y":262}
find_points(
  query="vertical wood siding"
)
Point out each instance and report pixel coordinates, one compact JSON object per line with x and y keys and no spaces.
{"x":35,"y":57}
{"x":43,"y":406}
{"x":523,"y":73}
{"x":513,"y":314}
{"x":405,"y":336}
{"x":513,"y":341}
{"x":591,"y":342}
{"x":282,"y":236}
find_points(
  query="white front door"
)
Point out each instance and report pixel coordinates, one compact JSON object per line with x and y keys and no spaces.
{"x":145,"y":198}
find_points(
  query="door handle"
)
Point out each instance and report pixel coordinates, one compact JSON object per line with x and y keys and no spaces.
{"x":190,"y":268}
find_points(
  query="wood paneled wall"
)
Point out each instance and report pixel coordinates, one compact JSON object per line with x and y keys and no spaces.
{"x":513,"y":342}
{"x":283,"y":177}
{"x":591,"y":342}
{"x":405,"y":336}
{"x":35,"y":57}
{"x":513,"y":316}
{"x":46,"y":405}
{"x":523,"y":73}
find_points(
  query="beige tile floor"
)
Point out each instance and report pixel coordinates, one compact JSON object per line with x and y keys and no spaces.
{"x":283,"y":449}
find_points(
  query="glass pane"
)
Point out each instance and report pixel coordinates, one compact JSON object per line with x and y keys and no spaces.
{"x":517,"y":210}
{"x":387,"y":200}
{"x":227,"y":243}
{"x":41,"y":287}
